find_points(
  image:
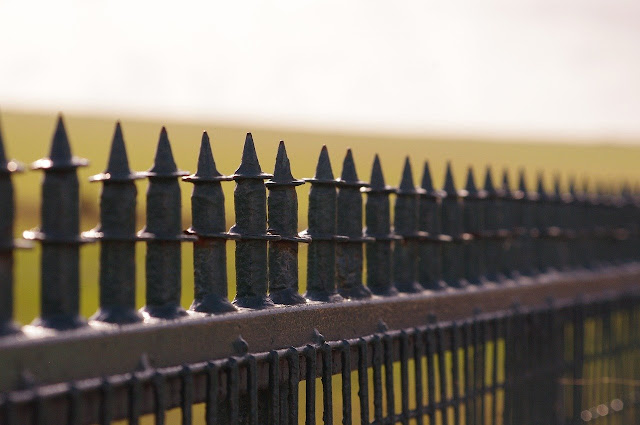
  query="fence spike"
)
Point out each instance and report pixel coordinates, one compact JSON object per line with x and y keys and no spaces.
{"x":509,"y":203}
{"x":451,"y":252}
{"x":117,"y":234}
{"x":209,"y":225}
{"x":283,"y":221}
{"x":349,"y":224}
{"x":59,"y":235}
{"x":163,"y":234}
{"x":405,"y":253}
{"x":7,"y":243}
{"x":321,"y":257}
{"x":378,"y":227}
{"x":492,"y":234}
{"x":429,"y":223}
{"x":473,"y":224}
{"x":251,"y":221}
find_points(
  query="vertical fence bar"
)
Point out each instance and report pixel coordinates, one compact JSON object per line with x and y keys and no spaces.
{"x":492,"y":237}
{"x":473,"y":225}
{"x":525,"y":228}
{"x":163,"y":234}
{"x":208,"y":224}
{"x":7,"y":243}
{"x":251,"y":220}
{"x":283,"y":222}
{"x":321,"y":257}
{"x":117,"y":234}
{"x":59,"y":235}
{"x":349,"y":224}
{"x":508,"y":204}
{"x":405,"y":252}
{"x":378,"y":227}
{"x":429,"y":263}
{"x":451,"y":252}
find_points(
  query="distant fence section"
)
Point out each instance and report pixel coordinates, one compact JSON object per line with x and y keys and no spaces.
{"x":490,"y":304}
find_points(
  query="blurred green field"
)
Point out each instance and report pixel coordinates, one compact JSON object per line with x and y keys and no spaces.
{"x":27,"y":137}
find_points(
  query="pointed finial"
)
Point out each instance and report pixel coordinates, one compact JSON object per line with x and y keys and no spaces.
{"x":377,"y":179}
{"x":449,"y":184}
{"x":406,"y":183}
{"x":118,"y":164}
{"x":427,"y":183}
{"x":249,"y":165}
{"x":282,"y":173}
{"x":60,"y":157}
{"x":349,"y":175}
{"x":470,"y":185}
{"x":506,"y":185}
{"x":207,"y":170}
{"x":488,"y":182}
{"x":522,"y":183}
{"x":60,"y":149}
{"x":573,"y":191}
{"x":164,"y":165}
{"x":557,"y":191}
{"x":324,"y":173}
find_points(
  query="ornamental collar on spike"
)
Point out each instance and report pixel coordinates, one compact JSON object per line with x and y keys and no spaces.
{"x":282,"y":173}
{"x":7,"y":167}
{"x":164,"y":166}
{"x":207,"y":171}
{"x":470,"y":187}
{"x":377,"y":184}
{"x":349,"y":175}
{"x":60,"y":157}
{"x":427,"y":184}
{"x":406,"y":186}
{"x":249,"y":166}
{"x":324,"y":173}
{"x":118,"y":166}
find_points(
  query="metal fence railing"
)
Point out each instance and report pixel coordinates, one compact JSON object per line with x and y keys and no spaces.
{"x":484,"y":305}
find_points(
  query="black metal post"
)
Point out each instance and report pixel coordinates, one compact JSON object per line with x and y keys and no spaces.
{"x":59,"y":235}
{"x":117,"y":234}
{"x":7,"y":243}
{"x":321,"y":257}
{"x":473,"y":224}
{"x":405,"y":253}
{"x":209,"y":225}
{"x":508,"y":204}
{"x":452,"y":220}
{"x":429,"y":261}
{"x":378,"y":220}
{"x":494,"y":234}
{"x":163,"y":234}
{"x":283,"y":221}
{"x":349,"y":224}
{"x":250,"y":197}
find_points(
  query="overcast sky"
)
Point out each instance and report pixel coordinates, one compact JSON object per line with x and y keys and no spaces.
{"x":533,"y":67}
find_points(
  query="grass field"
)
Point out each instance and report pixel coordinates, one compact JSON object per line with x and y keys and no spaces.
{"x":27,"y":138}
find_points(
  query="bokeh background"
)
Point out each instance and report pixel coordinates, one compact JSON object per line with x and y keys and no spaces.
{"x":537,"y":84}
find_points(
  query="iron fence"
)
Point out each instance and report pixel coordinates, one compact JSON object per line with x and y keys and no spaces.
{"x":487,"y":305}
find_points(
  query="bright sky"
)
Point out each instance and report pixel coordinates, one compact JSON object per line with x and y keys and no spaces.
{"x":532,"y":67}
